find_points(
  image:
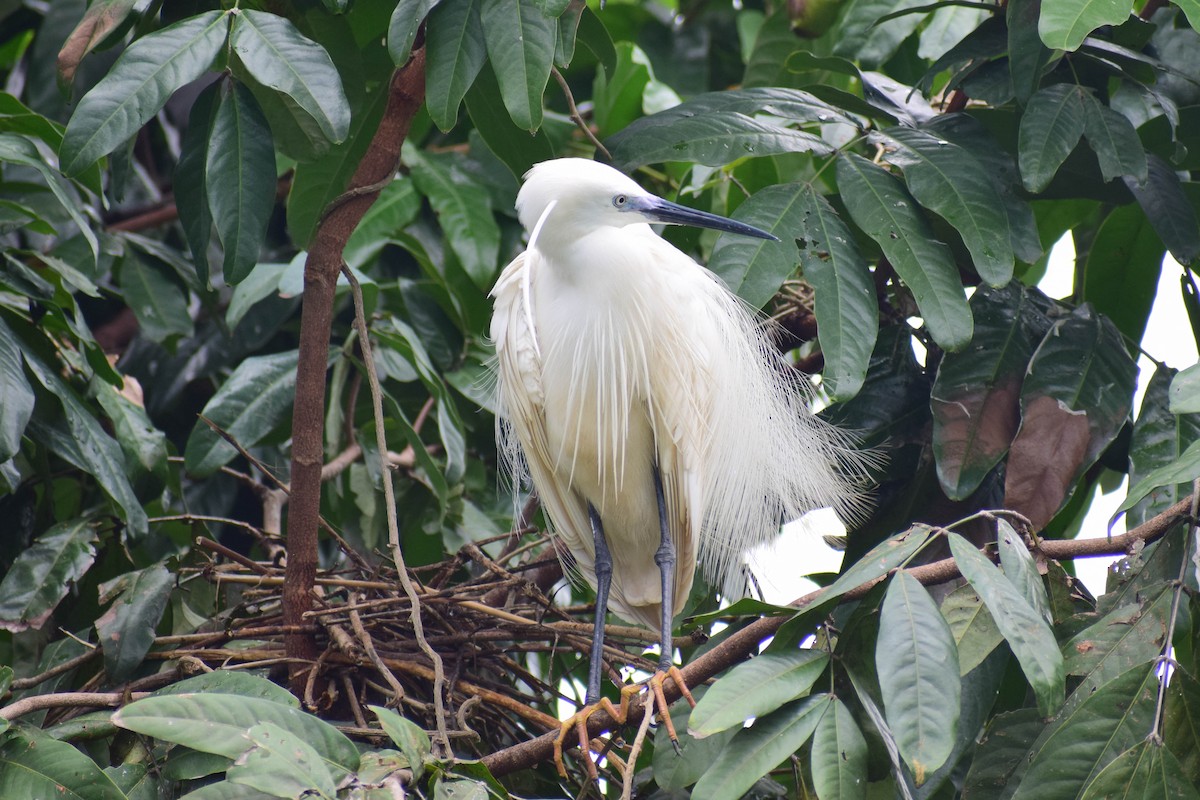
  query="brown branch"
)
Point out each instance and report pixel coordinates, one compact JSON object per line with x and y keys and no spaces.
{"x":40,"y":702}
{"x":746,"y":641}
{"x":405,"y":96}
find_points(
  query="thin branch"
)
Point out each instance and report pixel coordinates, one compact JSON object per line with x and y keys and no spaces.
{"x":441,"y":742}
{"x":41,"y":702}
{"x":741,"y":644}
{"x":576,"y":117}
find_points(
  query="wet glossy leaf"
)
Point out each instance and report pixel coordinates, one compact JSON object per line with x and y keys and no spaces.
{"x":863,"y":37}
{"x":1159,"y":438}
{"x":1120,"y":276}
{"x":17,"y":149}
{"x":158,"y":302}
{"x":280,"y":57}
{"x":880,"y":206}
{"x":1050,"y":129}
{"x":976,"y":396}
{"x":215,"y":723}
{"x":720,"y":127}
{"x":455,"y":52}
{"x":1064,"y":24}
{"x":18,"y":396}
{"x":138,"y":85}
{"x":1169,"y":210}
{"x":755,"y":688}
{"x":463,"y":209}
{"x":127,"y":629}
{"x":844,"y":298}
{"x":520,"y":40}
{"x":1114,"y":141}
{"x":917,"y":664}
{"x":402,"y":28}
{"x":839,"y":756}
{"x":1027,"y":633}
{"x":1077,"y":746}
{"x":33,"y":765}
{"x":43,"y":574}
{"x":975,"y":632}
{"x":255,"y":399}
{"x":951,"y":182}
{"x":754,"y":268}
{"x":1074,"y":400}
{"x":757,"y":750}
{"x":282,"y":764}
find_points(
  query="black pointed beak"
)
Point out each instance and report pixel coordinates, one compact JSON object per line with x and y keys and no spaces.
{"x":659,"y":210}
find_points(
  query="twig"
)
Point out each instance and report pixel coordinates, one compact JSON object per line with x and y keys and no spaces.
{"x":40,"y":702}
{"x":636,"y":747}
{"x":66,"y":666}
{"x":441,"y":742}
{"x":1160,"y":705}
{"x":369,"y":646}
{"x":576,"y":117}
{"x":745,"y":641}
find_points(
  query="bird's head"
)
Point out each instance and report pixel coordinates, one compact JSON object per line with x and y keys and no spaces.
{"x":574,"y":196}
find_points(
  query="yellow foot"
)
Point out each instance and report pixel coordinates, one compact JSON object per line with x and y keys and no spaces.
{"x":660,"y":700}
{"x":577,"y":722}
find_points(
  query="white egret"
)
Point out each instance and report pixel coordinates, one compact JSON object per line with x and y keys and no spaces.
{"x":656,"y":419}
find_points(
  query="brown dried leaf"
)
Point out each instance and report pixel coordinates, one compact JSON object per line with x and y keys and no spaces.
{"x":1045,"y":459}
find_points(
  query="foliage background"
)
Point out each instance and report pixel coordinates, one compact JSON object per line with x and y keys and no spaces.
{"x":174,"y":177}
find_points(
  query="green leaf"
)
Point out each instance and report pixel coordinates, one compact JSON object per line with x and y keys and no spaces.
{"x":1020,"y":569}
{"x":844,"y":297}
{"x":18,"y":396}
{"x":406,"y":19}
{"x":884,"y":557}
{"x":34,"y":765}
{"x":138,"y":86}
{"x":43,"y":574}
{"x":224,"y":790}
{"x":1088,"y":736}
{"x":229,"y":682}
{"x":1184,"y":469}
{"x":240,"y":179}
{"x":515,"y":147}
{"x":463,"y":208}
{"x":975,"y":397}
{"x":520,"y":42}
{"x":455,"y":52}
{"x":18,"y":149}
{"x":1075,"y":399}
{"x":1131,"y":634}
{"x":864,"y":37}
{"x":1064,"y":24}
{"x":719,"y":128}
{"x":753,"y":268}
{"x":975,"y":632}
{"x":397,"y":205}
{"x":1146,"y":770}
{"x":216,"y":723}
{"x":1114,"y":141}
{"x":126,"y":631}
{"x":282,"y":764}
{"x":1169,"y":210}
{"x":160,"y":305}
{"x":88,"y":446}
{"x":593,"y":35}
{"x":1027,"y":56}
{"x":951,"y":182}
{"x":757,"y":750}
{"x":251,"y":403}
{"x":672,"y":771}
{"x":755,"y":688}
{"x":278,"y":56}
{"x":408,"y":736}
{"x":917,"y":664}
{"x":1029,"y":636}
{"x":1050,"y":128}
{"x":1120,"y":276}
{"x":1185,"y":391}
{"x":1159,"y":439}
{"x":1181,"y":721}
{"x":618,"y":96}
{"x":880,"y":206}
{"x":839,"y":756}
{"x":192,"y":203}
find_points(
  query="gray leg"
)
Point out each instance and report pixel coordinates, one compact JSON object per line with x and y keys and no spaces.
{"x":604,"y":568}
{"x":664,"y":557}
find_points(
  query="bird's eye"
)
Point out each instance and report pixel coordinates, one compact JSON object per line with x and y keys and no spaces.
{"x":620,"y":200}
